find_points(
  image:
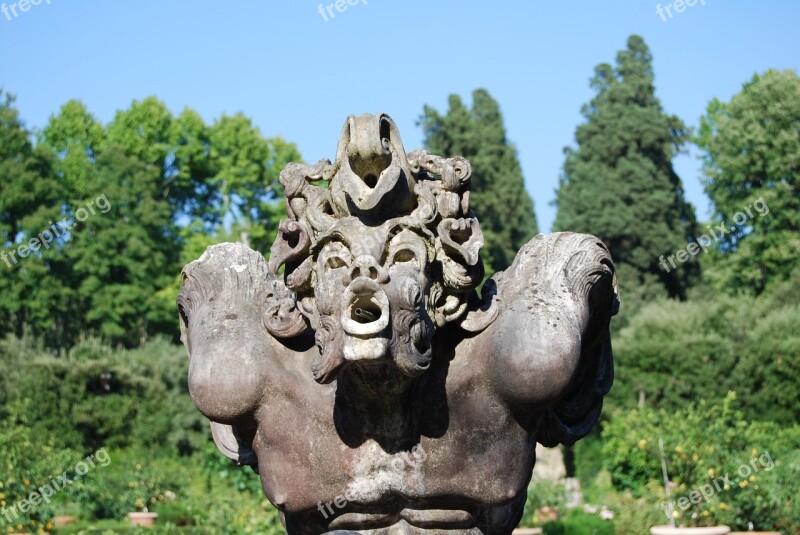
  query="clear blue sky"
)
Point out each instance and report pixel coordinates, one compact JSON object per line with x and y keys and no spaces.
{"x":299,"y":76}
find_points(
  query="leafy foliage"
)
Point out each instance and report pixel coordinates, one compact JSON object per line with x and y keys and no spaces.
{"x":126,"y":199}
{"x":725,"y":469}
{"x":94,"y":397}
{"x":752,"y":154}
{"x":57,"y":409}
{"x":674,"y":352}
{"x":132,"y":482}
{"x":588,"y":461}
{"x":33,"y":291}
{"x":579,"y":523}
{"x":28,"y":463}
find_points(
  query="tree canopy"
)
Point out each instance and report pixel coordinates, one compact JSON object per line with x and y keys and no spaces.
{"x":96,"y":219}
{"x":752,"y":155}
{"x":619,"y":183}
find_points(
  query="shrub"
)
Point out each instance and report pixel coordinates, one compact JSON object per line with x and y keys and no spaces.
{"x":95,"y":397}
{"x":28,"y":463}
{"x":131,"y":482}
{"x":674,"y":353}
{"x":725,"y":470}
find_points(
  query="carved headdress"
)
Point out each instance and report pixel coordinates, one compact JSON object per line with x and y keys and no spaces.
{"x":375,"y":185}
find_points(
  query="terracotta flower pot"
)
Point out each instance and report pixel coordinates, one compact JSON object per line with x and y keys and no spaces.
{"x":669,"y":530}
{"x":63,"y":520}
{"x":143,"y":519}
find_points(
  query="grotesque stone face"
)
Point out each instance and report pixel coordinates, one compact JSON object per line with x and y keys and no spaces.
{"x":372,"y":296}
{"x":381,"y":258}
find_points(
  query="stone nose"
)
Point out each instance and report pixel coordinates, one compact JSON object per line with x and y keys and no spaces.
{"x":367,"y":266}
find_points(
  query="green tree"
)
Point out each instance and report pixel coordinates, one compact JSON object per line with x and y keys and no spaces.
{"x":225,"y":173}
{"x":158,"y":189}
{"x":126,"y":252}
{"x":122,"y":245}
{"x":247,"y":167}
{"x":179,"y":148}
{"x":752,"y":155}
{"x":34,"y":286}
{"x":498,"y":196}
{"x":619,"y":183}
{"x":173,"y":183}
{"x":77,"y":138}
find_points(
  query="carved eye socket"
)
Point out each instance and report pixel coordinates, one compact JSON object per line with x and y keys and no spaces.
{"x":334,"y":255}
{"x":405,"y":255}
{"x":406,"y":249}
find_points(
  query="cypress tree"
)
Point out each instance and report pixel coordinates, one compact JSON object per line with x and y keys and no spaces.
{"x":619,"y":184}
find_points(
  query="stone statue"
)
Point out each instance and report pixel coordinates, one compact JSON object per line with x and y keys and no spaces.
{"x":359,"y":371}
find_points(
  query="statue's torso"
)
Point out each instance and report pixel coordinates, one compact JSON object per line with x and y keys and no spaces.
{"x":461,"y":447}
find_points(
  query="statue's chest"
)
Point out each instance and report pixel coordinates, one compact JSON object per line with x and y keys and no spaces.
{"x":450,"y":440}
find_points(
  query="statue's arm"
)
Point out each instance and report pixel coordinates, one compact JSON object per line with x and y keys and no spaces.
{"x":224,"y":303}
{"x":550,"y":344}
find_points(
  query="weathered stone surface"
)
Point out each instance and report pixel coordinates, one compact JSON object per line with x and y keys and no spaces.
{"x":367,"y":382}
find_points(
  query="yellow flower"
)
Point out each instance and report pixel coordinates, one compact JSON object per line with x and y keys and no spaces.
{"x":25,"y":482}
{"x":724,"y":506}
{"x":642,"y":444}
{"x":678,"y":449}
{"x":744,"y":484}
{"x":712,"y":472}
{"x":754,"y":452}
{"x":752,"y":478}
{"x":705,"y":513}
{"x":695,"y":457}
